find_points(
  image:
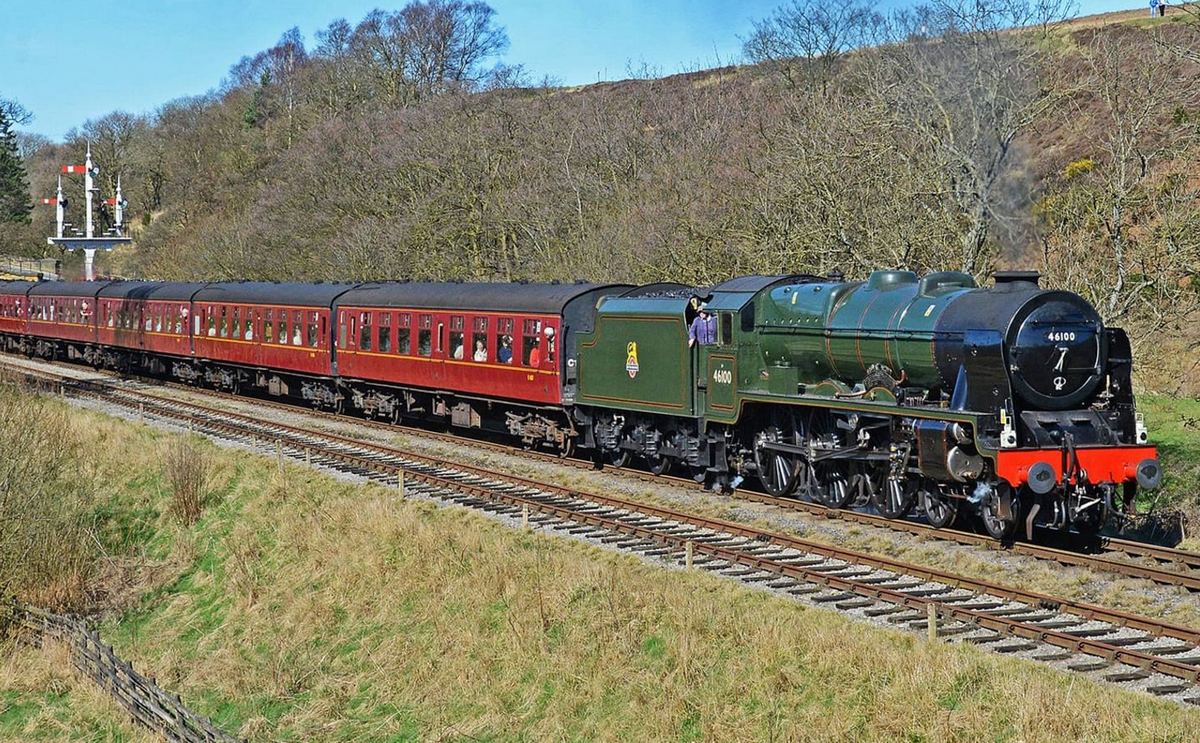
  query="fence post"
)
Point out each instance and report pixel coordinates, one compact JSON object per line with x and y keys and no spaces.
{"x":525,"y":516}
{"x":141,"y":411}
{"x":279,"y":453}
{"x":931,"y":612}
{"x":688,"y":551}
{"x":308,"y":456}
{"x":400,"y":482}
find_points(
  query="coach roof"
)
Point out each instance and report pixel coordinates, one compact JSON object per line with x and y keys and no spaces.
{"x":16,"y":287}
{"x":67,"y":288}
{"x":265,"y":292}
{"x":151,"y":291}
{"x":468,"y":297}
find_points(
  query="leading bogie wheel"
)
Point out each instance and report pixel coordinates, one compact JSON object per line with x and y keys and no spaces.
{"x":940,"y":509}
{"x":1000,"y":512}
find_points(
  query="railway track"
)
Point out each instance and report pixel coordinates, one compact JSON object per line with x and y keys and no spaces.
{"x":1144,"y":653}
{"x":1162,"y":565}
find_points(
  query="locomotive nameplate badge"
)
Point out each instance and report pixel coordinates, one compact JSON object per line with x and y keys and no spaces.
{"x":631,"y":359}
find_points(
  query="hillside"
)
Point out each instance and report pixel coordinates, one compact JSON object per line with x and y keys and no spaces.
{"x":1067,"y":147}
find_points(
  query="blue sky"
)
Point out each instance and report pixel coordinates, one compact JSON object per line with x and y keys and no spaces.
{"x":71,"y":60}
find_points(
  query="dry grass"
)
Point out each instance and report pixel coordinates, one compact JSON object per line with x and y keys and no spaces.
{"x":40,"y":700}
{"x":187,"y":468}
{"x":379,"y":618}
{"x":47,"y":542}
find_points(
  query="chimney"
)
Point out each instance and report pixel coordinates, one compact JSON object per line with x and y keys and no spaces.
{"x":1016,"y":277}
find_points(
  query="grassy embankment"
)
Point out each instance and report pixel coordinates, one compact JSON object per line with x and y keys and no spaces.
{"x":1174,"y":425}
{"x":300,"y":608}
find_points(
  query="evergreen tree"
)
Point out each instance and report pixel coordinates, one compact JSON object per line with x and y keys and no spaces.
{"x":14,"y":185}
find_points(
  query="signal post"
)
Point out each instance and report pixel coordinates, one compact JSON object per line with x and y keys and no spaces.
{"x":88,"y":241}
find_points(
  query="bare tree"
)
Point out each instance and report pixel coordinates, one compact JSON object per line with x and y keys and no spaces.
{"x":967,"y":86}
{"x":806,"y":39}
{"x":428,"y":48}
{"x":1124,"y":225}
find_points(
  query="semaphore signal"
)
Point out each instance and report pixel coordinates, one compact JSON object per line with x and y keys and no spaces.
{"x":88,"y":241}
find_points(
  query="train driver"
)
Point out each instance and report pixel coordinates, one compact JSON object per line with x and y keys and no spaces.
{"x":703,"y":329}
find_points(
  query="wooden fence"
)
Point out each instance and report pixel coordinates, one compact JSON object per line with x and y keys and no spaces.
{"x":146,"y":703}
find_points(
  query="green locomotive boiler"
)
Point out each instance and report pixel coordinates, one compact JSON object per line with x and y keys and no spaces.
{"x":898,"y":392}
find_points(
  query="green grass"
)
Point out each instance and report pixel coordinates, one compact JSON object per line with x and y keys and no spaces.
{"x":1174,"y":427}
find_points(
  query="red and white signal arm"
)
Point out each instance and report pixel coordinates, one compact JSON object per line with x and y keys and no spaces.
{"x":49,"y":202}
{"x":74,"y":168}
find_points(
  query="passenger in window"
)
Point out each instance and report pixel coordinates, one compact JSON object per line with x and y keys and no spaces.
{"x":297,"y":339}
{"x":703,"y":329}
{"x":535,"y":351}
{"x":480,"y":351}
{"x":504,"y":355}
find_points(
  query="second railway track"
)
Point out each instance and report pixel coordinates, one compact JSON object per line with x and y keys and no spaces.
{"x":1149,"y":654}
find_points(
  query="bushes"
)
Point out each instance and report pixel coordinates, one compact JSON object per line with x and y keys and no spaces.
{"x":187,"y":469}
{"x":47,"y":536}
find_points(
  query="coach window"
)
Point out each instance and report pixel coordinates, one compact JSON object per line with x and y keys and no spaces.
{"x":364,"y":332}
{"x":531,"y":342}
{"x":726,"y":328}
{"x":224,"y":329}
{"x":269,"y":327}
{"x":479,"y":340}
{"x":456,"y":338}
{"x":385,"y":332}
{"x":425,"y":336}
{"x":403,"y":334}
{"x":313,"y":338}
{"x":297,"y":328}
{"x":248,"y":325}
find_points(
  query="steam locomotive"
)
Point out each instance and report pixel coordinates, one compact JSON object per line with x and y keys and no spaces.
{"x":898,"y":393}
